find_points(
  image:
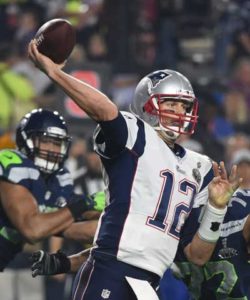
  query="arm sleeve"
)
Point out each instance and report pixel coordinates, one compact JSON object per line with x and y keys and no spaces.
{"x":113,"y":137}
{"x":191,"y":226}
{"x":207,"y":178}
{"x":113,"y":134}
{"x":193,"y":221}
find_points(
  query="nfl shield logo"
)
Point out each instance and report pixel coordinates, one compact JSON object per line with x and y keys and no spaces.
{"x":105,"y":294}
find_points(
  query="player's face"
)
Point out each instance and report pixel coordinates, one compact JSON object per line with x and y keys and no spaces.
{"x":170,"y":110}
{"x":48,"y":144}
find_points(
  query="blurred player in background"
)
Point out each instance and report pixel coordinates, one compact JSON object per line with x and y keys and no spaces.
{"x":227,"y":274}
{"x":152,"y":183}
{"x":36,"y":192}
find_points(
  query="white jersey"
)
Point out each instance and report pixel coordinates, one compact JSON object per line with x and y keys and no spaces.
{"x":151,"y":190}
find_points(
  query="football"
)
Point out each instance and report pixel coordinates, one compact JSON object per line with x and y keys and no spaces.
{"x":56,"y":39}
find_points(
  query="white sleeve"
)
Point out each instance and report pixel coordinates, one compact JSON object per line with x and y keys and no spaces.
{"x":201,"y":198}
{"x":132,"y":126}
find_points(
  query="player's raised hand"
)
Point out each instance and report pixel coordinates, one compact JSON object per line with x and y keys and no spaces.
{"x":222,"y":187}
{"x":41,"y":61}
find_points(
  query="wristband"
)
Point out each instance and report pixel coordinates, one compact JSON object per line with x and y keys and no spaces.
{"x":209,"y":229}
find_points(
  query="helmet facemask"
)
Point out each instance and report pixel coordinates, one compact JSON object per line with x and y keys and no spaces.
{"x":173,"y":124}
{"x":48,"y":150}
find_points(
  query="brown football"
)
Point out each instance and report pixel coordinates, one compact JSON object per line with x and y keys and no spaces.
{"x":56,"y":39}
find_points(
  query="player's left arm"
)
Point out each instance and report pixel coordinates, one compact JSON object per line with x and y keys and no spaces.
{"x":81,"y":231}
{"x":221,"y":188}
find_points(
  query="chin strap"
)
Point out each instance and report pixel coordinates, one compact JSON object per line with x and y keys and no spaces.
{"x":170,"y":133}
{"x":166,"y":137}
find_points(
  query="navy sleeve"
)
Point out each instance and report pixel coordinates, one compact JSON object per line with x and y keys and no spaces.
{"x":115,"y":134}
{"x":207,"y":178}
{"x":190,"y":227}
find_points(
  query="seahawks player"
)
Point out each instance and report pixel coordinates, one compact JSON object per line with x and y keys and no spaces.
{"x":227,"y":274}
{"x":34,"y":185}
{"x":152,"y":182}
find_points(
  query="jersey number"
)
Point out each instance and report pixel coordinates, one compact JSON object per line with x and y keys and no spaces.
{"x":159,"y":220}
{"x":211,"y":270}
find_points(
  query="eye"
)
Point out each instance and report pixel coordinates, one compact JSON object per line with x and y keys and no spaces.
{"x":168,"y":103}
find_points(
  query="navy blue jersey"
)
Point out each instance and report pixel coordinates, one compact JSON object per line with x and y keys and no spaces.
{"x":50,"y":192}
{"x":227,"y":274}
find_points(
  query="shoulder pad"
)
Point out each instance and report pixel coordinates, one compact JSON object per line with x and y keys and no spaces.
{"x":128,"y":115}
{"x":9,"y":157}
{"x":15,"y":167}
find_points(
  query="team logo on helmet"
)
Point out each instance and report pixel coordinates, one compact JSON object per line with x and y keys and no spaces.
{"x":157,"y":77}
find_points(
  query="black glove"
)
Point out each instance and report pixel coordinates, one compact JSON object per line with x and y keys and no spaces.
{"x":79,"y":204}
{"x":44,"y":263}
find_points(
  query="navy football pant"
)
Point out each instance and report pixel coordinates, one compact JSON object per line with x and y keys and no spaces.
{"x":103,"y":277}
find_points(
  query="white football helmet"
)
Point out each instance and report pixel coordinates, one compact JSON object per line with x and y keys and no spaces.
{"x":158,"y":87}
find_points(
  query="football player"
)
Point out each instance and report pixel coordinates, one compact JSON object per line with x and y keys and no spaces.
{"x":34,"y":185}
{"x":227,"y":274}
{"x":152,"y":183}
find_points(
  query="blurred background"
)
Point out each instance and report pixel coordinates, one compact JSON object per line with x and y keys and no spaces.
{"x":118,"y":42}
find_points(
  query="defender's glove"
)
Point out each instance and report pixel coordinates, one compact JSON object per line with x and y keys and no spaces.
{"x":44,"y":263}
{"x":99,"y":200}
{"x":80,"y":204}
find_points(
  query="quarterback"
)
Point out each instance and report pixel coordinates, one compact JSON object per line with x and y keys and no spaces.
{"x":152,"y":183}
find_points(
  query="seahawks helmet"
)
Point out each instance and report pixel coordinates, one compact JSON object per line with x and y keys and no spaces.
{"x":38,"y":128}
{"x":161,"y":86}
